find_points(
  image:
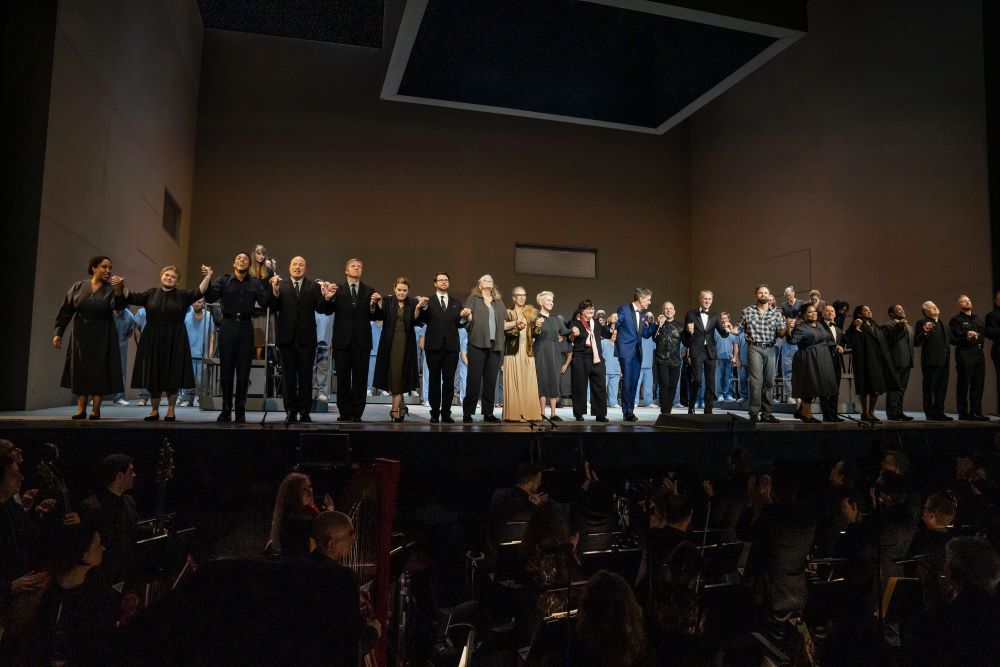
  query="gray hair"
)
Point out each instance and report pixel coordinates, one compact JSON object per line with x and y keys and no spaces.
{"x":543,"y":294}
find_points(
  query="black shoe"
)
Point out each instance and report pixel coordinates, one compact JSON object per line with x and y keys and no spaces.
{"x":555,"y":418}
{"x":224,"y":416}
{"x":155,"y":417}
{"x":811,"y":420}
{"x":708,"y":411}
{"x":895,"y":418}
{"x":946,"y":418}
{"x":753,"y":420}
{"x":770,"y":419}
{"x":579,"y":418}
{"x":305,"y":417}
{"x":980,"y":418}
{"x":447,"y":419}
{"x":490,"y":419}
{"x":834,"y":418}
{"x":170,"y":418}
{"x":603,"y":420}
{"x":632,"y":418}
{"x":291,"y":418}
{"x":434,"y":419}
{"x":467,"y":419}
{"x":690,"y":411}
{"x":965,"y":417}
{"x":906,"y":418}
{"x":82,"y":415}
{"x":342,"y":418}
{"x":240,"y":418}
{"x":94,"y":417}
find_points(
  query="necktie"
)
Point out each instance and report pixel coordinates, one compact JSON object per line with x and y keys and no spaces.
{"x":354,"y":292}
{"x":444,"y":304}
{"x":298,"y":287}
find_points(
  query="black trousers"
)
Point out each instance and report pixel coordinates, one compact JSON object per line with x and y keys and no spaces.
{"x":484,"y":366}
{"x":235,"y":349}
{"x":702,"y":371}
{"x":935,"y":388}
{"x":352,"y":380}
{"x":969,"y":385}
{"x":584,"y":370}
{"x":666,"y":380}
{"x":894,"y":397}
{"x":296,"y":377}
{"x":441,"y":367}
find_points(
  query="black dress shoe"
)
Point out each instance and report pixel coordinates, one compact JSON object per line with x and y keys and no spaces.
{"x":834,"y":418}
{"x":906,"y":418}
{"x":555,"y":418}
{"x":170,"y":418}
{"x":94,"y":418}
{"x":291,"y":418}
{"x":447,"y":419}
{"x":770,"y":419}
{"x":155,"y":417}
{"x":224,"y":417}
{"x":980,"y":418}
{"x":708,"y":411}
{"x":690,"y":411}
{"x":811,"y":420}
{"x":434,"y":419}
{"x":467,"y":419}
{"x":579,"y":418}
{"x":946,"y":418}
{"x":632,"y":418}
{"x":342,"y":418}
{"x":753,"y":420}
{"x":490,"y":419}
{"x":603,"y":419}
{"x":965,"y":417}
{"x":82,"y":415}
{"x":305,"y":417}
{"x":895,"y":418}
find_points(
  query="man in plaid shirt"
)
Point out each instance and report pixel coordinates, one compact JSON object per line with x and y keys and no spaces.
{"x":762,"y":324}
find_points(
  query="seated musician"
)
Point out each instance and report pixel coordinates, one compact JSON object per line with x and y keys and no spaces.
{"x":294,"y":512}
{"x":112,"y":512}
{"x":668,"y":526}
{"x":515,"y":503}
{"x":334,"y":535}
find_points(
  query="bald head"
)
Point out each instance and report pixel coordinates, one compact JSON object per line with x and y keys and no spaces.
{"x":334,"y":534}
{"x":297,"y":267}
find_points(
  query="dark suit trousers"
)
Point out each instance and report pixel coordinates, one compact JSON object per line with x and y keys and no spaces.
{"x":296,"y":376}
{"x":235,"y":349}
{"x":352,"y":380}
{"x":584,"y":370}
{"x":441,"y":367}
{"x":666,"y":380}
{"x":702,"y":371}
{"x":969,"y":384}
{"x":894,"y":397}
{"x":631,"y":370}
{"x":484,"y":367}
{"x":935,"y":388}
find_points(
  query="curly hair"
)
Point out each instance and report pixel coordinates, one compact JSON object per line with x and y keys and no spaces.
{"x":609,"y":622}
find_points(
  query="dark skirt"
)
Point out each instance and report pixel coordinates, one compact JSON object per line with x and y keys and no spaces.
{"x":93,"y":360}
{"x":812,"y":373}
{"x":163,"y":359}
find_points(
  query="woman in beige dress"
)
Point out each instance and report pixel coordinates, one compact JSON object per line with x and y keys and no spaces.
{"x":520,"y":383}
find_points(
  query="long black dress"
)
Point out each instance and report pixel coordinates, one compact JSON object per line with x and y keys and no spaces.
{"x":390,"y":374}
{"x":93,"y":361}
{"x":548,"y":359}
{"x":813,"y":374}
{"x":870,"y":354}
{"x":163,"y":358}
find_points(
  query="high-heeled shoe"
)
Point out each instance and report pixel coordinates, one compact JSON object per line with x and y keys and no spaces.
{"x":395,"y":416}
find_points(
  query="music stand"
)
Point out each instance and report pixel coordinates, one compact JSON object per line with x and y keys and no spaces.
{"x":721,"y":562}
{"x":598,"y":541}
{"x":623,"y":562}
{"x":902,"y":598}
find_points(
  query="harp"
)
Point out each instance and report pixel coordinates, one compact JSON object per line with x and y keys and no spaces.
{"x":370,"y":500}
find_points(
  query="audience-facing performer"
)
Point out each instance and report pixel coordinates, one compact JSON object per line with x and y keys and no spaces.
{"x":396,"y":361}
{"x":632,"y":323}
{"x":790,"y":308}
{"x":292,"y":520}
{"x":970,"y":365}
{"x":355,"y":306}
{"x":237,"y":293}
{"x":934,"y":340}
{"x":112,"y":511}
{"x":93,"y":366}
{"x":667,"y":356}
{"x":701,"y":324}
{"x":486,"y":334}
{"x":872,"y":375}
{"x":588,"y":364}
{"x":262,"y":268}
{"x":992,"y":331}
{"x":899,"y":336}
{"x":548,"y":363}
{"x":519,"y":375}
{"x":762,"y":323}
{"x":812,"y":373}
{"x":295,"y":303}
{"x":444,"y":316}
{"x":163,"y":358}
{"x":837,"y":353}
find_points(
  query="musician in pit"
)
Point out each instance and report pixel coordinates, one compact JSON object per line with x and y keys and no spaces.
{"x":112,"y":512}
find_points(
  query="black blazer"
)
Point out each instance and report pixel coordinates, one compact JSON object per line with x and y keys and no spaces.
{"x":934,"y":343}
{"x":296,"y":315}
{"x":960,"y":325}
{"x":900,"y":339}
{"x":580,"y":342}
{"x":703,"y":338}
{"x":352,"y":324}
{"x":443,"y":325}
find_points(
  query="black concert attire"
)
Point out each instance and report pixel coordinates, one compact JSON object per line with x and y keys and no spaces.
{"x":993,"y":333}
{"x":237,"y":298}
{"x":812,"y":366}
{"x":93,"y":360}
{"x":352,"y":345}
{"x":588,"y":366}
{"x":701,"y":349}
{"x":970,"y":364}
{"x":900,"y":340}
{"x":163,"y":358}
{"x":871,"y":359}
{"x":396,"y":360}
{"x":667,"y":362}
{"x":115,"y":518}
{"x":443,"y":316}
{"x":935,"y":346}
{"x":829,"y":403}
{"x":485,"y":350}
{"x":548,"y":360}
{"x":296,"y":306}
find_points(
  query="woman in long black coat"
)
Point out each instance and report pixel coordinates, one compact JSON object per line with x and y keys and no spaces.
{"x":93,"y":361}
{"x":163,"y":358}
{"x":813,"y":375}
{"x":870,"y":354}
{"x":396,"y":359}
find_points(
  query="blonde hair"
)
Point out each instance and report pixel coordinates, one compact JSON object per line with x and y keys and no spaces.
{"x":170,"y":267}
{"x":541,"y":295}
{"x":476,"y":291}
{"x":352,"y":260}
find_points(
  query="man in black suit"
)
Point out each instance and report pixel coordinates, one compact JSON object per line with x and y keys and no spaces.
{"x":993,"y":333}
{"x":444,"y":316}
{"x":967,"y":336}
{"x":899,"y":336}
{"x":700,"y":325}
{"x":934,"y":340}
{"x":829,"y":403}
{"x":296,"y":302}
{"x":355,"y":306}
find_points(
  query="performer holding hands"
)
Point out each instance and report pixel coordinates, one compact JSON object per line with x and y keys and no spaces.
{"x":396,"y":360}
{"x":547,"y":359}
{"x":355,"y":306}
{"x":520,"y":381}
{"x":444,"y":316}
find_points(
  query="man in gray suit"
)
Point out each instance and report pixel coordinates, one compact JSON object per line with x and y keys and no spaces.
{"x":899,"y":336}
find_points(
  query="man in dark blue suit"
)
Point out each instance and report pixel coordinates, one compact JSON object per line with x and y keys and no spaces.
{"x":634,"y":322}
{"x":700,"y":326}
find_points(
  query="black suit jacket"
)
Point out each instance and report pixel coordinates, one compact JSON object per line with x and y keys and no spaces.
{"x":703,"y":338}
{"x":580,"y":342}
{"x":934,"y":343}
{"x":960,"y":325}
{"x":443,"y":325}
{"x":352,"y":324}
{"x":900,"y":340}
{"x":296,"y":314}
{"x":838,"y":339}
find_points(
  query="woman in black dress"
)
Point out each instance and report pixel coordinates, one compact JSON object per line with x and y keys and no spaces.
{"x":262,"y":268}
{"x":93,"y":364}
{"x":396,"y":359}
{"x":870,"y":354}
{"x":813,"y":375}
{"x":163,"y":359}
{"x":548,"y":360}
